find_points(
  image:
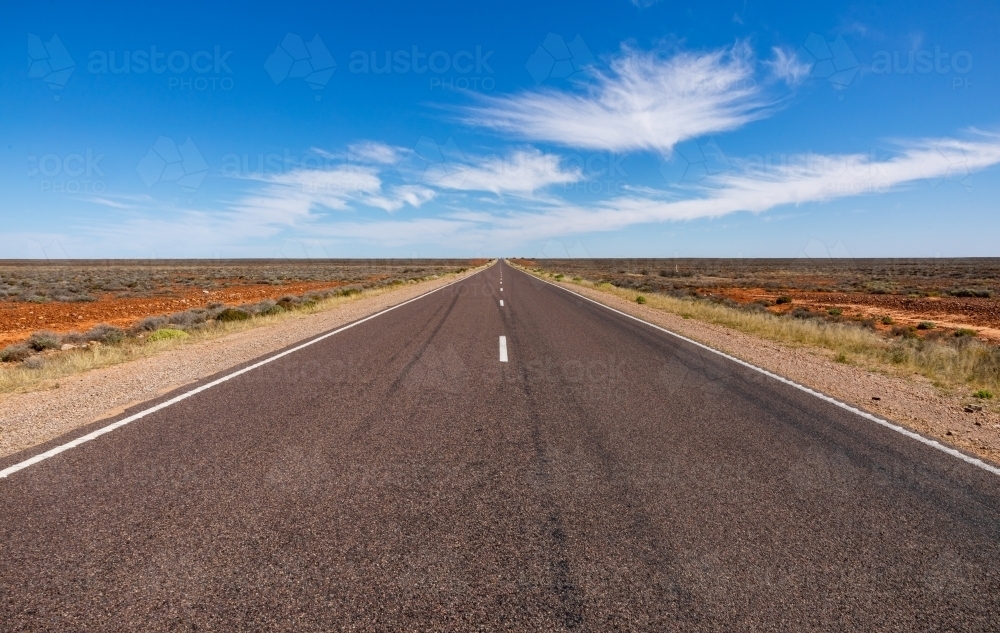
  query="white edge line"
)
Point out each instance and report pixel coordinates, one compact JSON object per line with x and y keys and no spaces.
{"x":52,"y":452}
{"x":822,"y":396}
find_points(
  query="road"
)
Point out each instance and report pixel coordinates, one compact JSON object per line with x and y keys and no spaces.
{"x":399,"y":475}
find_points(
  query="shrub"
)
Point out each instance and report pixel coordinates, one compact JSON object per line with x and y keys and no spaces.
{"x":984,"y":394}
{"x":970,"y":292}
{"x":963,"y":331}
{"x":188,"y":317}
{"x":834,"y":311}
{"x":926,"y":325}
{"x":233,"y":314}
{"x":559,"y":277}
{"x":640,"y":299}
{"x":41,"y":341}
{"x":104,"y":333}
{"x":15,"y":353}
{"x":887,"y":320}
{"x":906,"y":331}
{"x":150,"y":324}
{"x":783,"y":299}
{"x":167,"y":334}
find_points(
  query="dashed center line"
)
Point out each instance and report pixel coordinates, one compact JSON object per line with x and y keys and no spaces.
{"x":501,"y":303}
{"x":503,"y":349}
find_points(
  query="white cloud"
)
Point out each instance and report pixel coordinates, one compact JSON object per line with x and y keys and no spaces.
{"x":816,"y":178}
{"x":374,"y":152}
{"x":646,"y":102}
{"x":520,"y":172}
{"x":413,"y":195}
{"x":787,"y":66}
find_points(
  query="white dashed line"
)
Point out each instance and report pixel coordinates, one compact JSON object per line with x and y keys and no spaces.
{"x":501,"y":303}
{"x":503,"y":349}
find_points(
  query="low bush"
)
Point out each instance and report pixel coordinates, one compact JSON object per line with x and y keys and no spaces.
{"x":926,"y":325}
{"x":984,"y":394}
{"x":887,"y":320}
{"x":41,"y":341}
{"x":104,"y":333}
{"x":640,"y":299}
{"x":970,"y":292}
{"x":15,"y":353}
{"x":232,"y":314}
{"x":783,"y":299}
{"x":834,"y":311}
{"x":151,"y":324}
{"x":962,"y":331}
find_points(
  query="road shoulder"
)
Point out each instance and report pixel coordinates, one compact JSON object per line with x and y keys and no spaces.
{"x":38,"y":416}
{"x":913,"y":402}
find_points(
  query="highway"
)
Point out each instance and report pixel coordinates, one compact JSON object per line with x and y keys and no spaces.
{"x":458,"y":463}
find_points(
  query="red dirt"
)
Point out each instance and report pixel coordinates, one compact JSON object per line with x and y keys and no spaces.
{"x":979,"y":314}
{"x":19,"y":320}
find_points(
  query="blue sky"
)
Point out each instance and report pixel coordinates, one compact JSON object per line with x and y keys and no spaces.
{"x":619,"y":128}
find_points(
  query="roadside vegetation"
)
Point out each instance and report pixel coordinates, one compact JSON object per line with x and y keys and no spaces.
{"x":951,"y":360}
{"x":49,"y":355}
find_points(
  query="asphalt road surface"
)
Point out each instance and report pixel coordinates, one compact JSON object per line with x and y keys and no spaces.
{"x":400,"y":475}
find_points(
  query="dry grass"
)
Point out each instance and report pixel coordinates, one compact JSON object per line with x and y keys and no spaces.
{"x":16,"y":377}
{"x":959,"y":363}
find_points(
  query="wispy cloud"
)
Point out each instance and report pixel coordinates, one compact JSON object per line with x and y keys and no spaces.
{"x":374,"y":152}
{"x":786,"y":66}
{"x":819,"y":178}
{"x":521,"y":172}
{"x":646,"y":101}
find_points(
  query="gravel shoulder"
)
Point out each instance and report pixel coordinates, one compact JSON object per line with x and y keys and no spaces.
{"x":912,"y":402}
{"x":31,"y":418}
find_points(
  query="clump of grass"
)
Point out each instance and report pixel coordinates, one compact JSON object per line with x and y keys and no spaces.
{"x":559,"y":277}
{"x":983,"y":394}
{"x":167,"y":334}
{"x":926,"y":325}
{"x":834,"y":311}
{"x":640,"y":300}
{"x":962,"y":331}
{"x":783,"y":299}
{"x":887,"y":320}
{"x":841,"y":358}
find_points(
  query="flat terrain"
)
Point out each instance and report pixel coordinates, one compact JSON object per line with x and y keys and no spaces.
{"x":63,"y":296}
{"x":398,"y":475}
{"x":954,"y":293}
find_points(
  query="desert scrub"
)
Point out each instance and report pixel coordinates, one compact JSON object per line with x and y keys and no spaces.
{"x":116,"y":346}
{"x":951,"y":361}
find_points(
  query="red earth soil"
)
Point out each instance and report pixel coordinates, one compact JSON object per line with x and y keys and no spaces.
{"x":18,"y":321}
